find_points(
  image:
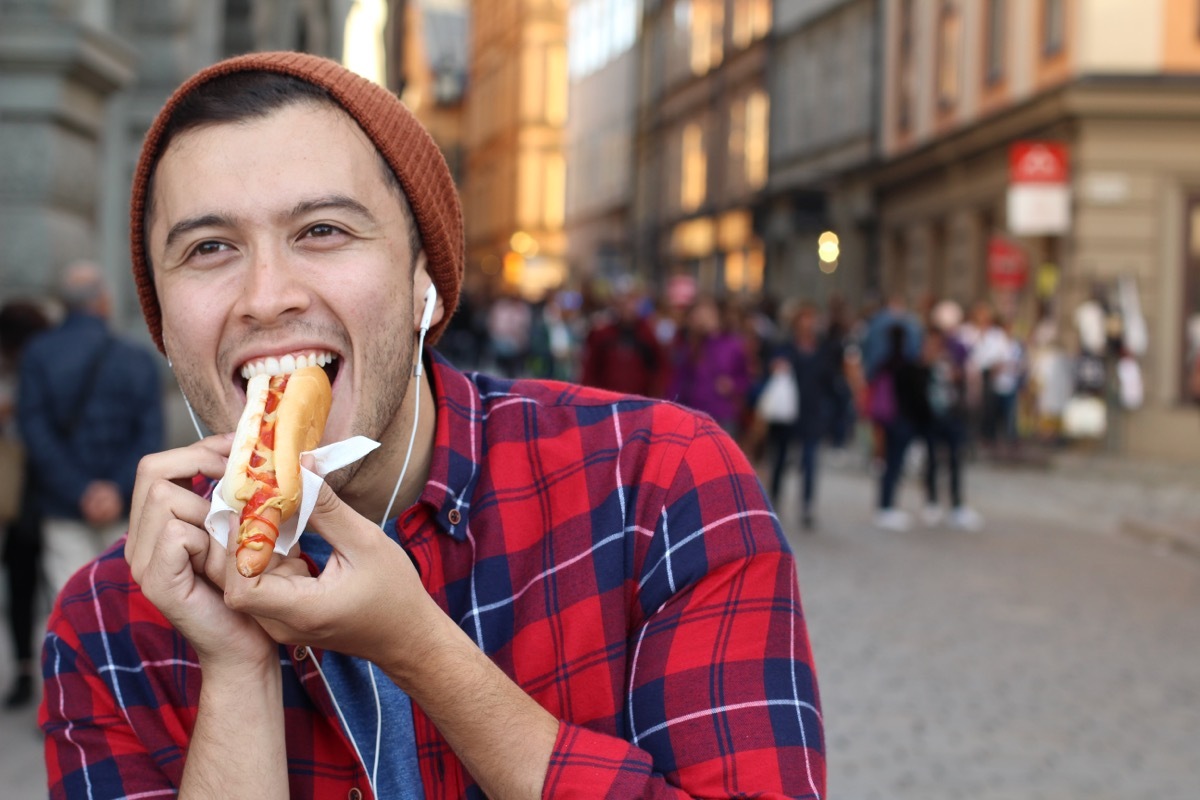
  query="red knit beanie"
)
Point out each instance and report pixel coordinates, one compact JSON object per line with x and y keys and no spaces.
{"x":408,"y":148}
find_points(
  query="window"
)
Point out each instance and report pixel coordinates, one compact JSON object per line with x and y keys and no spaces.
{"x":751,"y":21}
{"x":906,"y":69}
{"x":708,"y":27}
{"x":949,"y":62}
{"x":1054,"y":26}
{"x":693,"y":186}
{"x":995,"y":40}
{"x":599,"y":31}
{"x":757,"y":123}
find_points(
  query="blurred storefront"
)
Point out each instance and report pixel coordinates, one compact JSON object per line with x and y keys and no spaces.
{"x":1112,"y":89}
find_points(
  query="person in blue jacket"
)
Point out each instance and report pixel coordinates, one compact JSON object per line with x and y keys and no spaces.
{"x":88,"y":408}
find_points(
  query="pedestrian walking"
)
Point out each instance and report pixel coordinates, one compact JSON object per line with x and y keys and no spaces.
{"x":89,"y":407}
{"x":710,"y":370}
{"x":897,"y":402}
{"x":21,"y":547}
{"x":815,"y":364}
{"x":944,"y":428}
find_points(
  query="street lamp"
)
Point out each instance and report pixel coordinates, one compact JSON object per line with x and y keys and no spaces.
{"x":828,"y":251}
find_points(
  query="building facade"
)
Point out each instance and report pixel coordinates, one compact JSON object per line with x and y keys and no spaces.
{"x":602,"y":101}
{"x":700,"y":143}
{"x":823,"y":76}
{"x":429,"y":70}
{"x":516,"y":114}
{"x":1114,"y":85}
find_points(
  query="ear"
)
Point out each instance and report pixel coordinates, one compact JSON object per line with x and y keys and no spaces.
{"x":421,"y":285}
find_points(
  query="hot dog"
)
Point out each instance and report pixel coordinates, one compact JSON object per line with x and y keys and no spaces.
{"x":284,"y":416}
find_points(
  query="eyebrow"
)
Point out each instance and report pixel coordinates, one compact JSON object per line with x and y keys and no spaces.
{"x":331,"y":201}
{"x":185,"y":226}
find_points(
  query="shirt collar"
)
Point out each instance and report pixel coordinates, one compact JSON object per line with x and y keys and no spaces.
{"x":458,"y":441}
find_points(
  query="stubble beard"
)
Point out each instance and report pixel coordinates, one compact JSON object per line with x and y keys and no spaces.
{"x":385,"y":420}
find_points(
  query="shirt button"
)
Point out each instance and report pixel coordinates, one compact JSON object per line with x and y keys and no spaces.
{"x":455,"y":517}
{"x":300,"y":653}
{"x":354,"y":794}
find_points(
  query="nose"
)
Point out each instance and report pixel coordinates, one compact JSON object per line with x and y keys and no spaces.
{"x":271,"y":289}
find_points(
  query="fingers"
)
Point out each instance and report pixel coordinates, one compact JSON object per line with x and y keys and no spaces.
{"x":162,"y":492}
{"x":206,"y":457}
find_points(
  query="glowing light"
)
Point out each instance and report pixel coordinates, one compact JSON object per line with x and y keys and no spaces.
{"x":827,"y":248}
{"x":523,"y":243}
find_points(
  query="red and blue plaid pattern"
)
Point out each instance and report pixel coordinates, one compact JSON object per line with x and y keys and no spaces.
{"x":615,"y":556}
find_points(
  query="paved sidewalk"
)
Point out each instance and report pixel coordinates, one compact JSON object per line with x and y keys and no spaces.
{"x":22,"y":768}
{"x":1050,"y":656}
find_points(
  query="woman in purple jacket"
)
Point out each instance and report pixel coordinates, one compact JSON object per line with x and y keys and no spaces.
{"x":710,"y":370}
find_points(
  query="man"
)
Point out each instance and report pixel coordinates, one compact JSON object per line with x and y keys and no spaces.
{"x":584,"y":594}
{"x":878,"y":338}
{"x":89,"y":407}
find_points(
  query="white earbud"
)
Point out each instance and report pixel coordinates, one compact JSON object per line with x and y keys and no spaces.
{"x":430,"y":305}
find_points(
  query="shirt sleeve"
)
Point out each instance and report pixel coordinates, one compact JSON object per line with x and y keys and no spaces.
{"x":723,"y":695}
{"x":91,"y":748}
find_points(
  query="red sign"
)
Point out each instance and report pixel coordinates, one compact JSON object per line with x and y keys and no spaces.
{"x":1007,"y":264}
{"x":1037,"y":162}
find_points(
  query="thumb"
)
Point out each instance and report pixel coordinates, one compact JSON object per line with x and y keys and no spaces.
{"x":340,"y":525}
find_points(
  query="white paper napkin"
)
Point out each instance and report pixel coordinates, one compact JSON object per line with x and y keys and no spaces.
{"x":221,"y":518}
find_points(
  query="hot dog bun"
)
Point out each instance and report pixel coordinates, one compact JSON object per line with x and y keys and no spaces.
{"x":298,"y":420}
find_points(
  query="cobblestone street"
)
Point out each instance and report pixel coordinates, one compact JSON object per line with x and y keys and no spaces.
{"x":1046,"y":657}
{"x":1050,"y":656}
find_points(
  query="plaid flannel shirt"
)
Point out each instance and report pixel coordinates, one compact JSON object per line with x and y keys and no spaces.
{"x":615,"y":556}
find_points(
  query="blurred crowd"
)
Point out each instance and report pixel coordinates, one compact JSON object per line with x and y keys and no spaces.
{"x":927,"y":388}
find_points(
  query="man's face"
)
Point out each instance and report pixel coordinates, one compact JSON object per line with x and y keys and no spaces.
{"x":279,"y":236}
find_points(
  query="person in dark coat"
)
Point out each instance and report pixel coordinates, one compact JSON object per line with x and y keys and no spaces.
{"x":19,"y":321}
{"x":908,"y":381}
{"x":89,"y":408}
{"x":816,"y":365}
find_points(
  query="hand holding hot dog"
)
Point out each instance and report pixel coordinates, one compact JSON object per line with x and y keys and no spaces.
{"x":174,"y":561}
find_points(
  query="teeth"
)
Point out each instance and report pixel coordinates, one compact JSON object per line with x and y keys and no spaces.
{"x":287,"y":364}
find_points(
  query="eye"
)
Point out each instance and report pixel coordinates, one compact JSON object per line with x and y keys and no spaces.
{"x":323,"y":231}
{"x":209,"y":248}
